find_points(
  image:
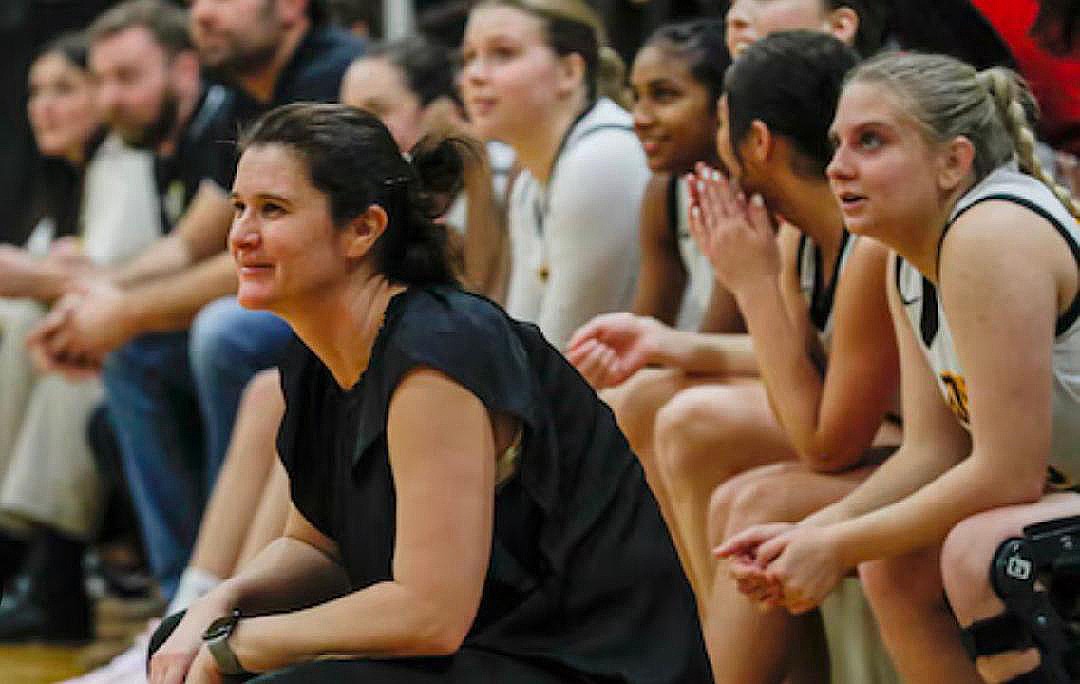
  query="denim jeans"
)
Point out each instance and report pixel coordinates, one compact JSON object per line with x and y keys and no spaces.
{"x":172,"y":399}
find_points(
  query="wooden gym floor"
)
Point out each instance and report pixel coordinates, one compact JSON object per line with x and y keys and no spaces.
{"x":34,"y":664}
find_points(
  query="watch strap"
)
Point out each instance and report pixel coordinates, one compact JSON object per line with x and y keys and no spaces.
{"x":218,"y":645}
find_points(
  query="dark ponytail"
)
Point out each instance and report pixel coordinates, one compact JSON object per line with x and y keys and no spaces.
{"x":805,"y":72}
{"x":353,"y":160}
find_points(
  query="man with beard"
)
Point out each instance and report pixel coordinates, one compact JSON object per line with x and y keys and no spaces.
{"x":173,"y":394}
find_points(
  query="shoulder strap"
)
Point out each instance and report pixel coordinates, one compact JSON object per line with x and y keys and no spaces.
{"x":1066,"y":319}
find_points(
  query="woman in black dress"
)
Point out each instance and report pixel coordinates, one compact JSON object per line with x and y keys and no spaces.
{"x":464,"y":508}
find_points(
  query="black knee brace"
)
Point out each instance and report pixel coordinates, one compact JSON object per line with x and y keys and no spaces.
{"x":1037,"y":576}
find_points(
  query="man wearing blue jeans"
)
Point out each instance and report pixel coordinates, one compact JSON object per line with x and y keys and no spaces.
{"x":173,"y":395}
{"x":173,"y":398}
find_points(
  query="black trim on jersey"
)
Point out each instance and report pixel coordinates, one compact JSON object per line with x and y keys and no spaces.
{"x":928,"y":317}
{"x":673,"y":207}
{"x":541,"y":207}
{"x":821,"y":297}
{"x":804,"y":239}
{"x":1066,"y":319}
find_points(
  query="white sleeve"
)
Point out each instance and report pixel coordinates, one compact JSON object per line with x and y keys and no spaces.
{"x":591,"y":232}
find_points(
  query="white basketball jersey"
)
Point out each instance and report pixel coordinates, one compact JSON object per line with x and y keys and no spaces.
{"x":923,"y":308}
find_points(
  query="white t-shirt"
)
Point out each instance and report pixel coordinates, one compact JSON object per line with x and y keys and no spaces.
{"x":574,"y":241}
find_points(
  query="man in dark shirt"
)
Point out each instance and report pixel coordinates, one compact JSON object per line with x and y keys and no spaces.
{"x":152,"y":95}
{"x":268,"y":53}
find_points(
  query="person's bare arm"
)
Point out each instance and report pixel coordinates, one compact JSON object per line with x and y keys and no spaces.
{"x":832,"y":420}
{"x":22,"y":275}
{"x":1002,"y":314}
{"x":662,"y":278}
{"x":442,"y":455}
{"x":723,"y":314}
{"x":201,"y":232}
{"x":171,"y":302}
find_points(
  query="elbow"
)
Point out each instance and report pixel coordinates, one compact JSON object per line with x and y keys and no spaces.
{"x":999,"y":488}
{"x":438,"y":630}
{"x":446,"y":644}
{"x":828,"y":461}
{"x":436,"y":641}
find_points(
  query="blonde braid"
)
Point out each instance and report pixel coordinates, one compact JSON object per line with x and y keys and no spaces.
{"x":1010,"y":96}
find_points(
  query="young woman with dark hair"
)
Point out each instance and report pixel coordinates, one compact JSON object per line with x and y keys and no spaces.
{"x":937,"y":161}
{"x":423,"y":424}
{"x":814,"y":303}
{"x":677,"y":78}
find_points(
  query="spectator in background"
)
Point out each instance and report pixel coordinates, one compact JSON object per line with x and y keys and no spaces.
{"x":270,"y":53}
{"x":25,"y":27}
{"x":411,"y":86}
{"x":361,"y":17}
{"x":152,"y":94}
{"x":95,"y":206}
{"x":539,"y":76}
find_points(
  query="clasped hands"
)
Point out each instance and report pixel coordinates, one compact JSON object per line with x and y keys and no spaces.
{"x":82,"y":327}
{"x":784,"y":565}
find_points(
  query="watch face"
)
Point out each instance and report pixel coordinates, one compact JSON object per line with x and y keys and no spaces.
{"x":222,"y":627}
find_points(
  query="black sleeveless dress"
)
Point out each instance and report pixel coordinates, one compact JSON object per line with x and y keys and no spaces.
{"x":583,"y":583}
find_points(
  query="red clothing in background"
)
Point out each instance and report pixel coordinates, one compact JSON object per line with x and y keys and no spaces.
{"x":1055,"y":81}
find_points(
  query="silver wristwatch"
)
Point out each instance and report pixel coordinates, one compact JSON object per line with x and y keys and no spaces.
{"x":216,"y":638}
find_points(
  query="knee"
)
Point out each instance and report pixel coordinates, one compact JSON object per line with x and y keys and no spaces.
{"x":966,"y":557}
{"x":635,"y":404}
{"x":130,"y":361}
{"x":263,"y":391}
{"x":754,"y":502}
{"x":695,"y":433}
{"x":898,"y":586}
{"x":213,"y":337}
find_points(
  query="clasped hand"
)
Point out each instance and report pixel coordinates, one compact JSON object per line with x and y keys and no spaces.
{"x":784,"y":565}
{"x":737,"y":236}
{"x":80,"y":329}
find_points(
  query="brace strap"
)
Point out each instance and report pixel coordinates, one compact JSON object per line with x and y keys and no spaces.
{"x":999,"y":634}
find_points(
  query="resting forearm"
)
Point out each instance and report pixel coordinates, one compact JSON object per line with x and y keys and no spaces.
{"x":712,"y":354}
{"x":170,"y":303}
{"x":925,"y":517}
{"x":384,"y":620}
{"x":286,"y":575}
{"x":898,"y":477}
{"x":793,"y":383}
{"x":168,"y":255}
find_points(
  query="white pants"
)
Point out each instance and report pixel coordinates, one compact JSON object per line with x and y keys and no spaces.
{"x":47,"y":472}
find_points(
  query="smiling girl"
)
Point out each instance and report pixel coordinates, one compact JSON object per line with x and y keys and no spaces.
{"x":677,"y":78}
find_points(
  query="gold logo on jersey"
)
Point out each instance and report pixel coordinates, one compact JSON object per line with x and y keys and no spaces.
{"x":956,"y":395}
{"x":173,"y":201}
